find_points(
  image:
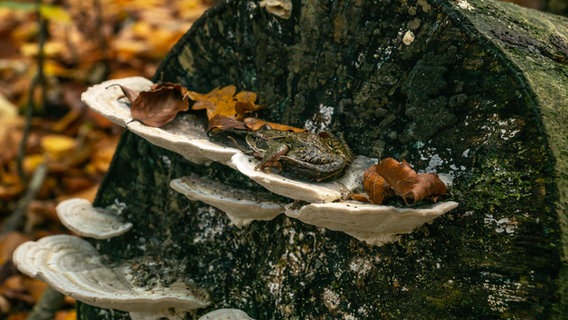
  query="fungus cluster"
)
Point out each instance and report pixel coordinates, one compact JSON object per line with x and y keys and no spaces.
{"x":326,"y":200}
{"x":74,"y":267}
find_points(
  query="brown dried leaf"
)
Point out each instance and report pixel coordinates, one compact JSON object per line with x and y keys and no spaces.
{"x":406,"y":183}
{"x":158,"y":106}
{"x":376,"y":186}
{"x":219,"y":122}
{"x":9,"y":242}
{"x":256,"y":124}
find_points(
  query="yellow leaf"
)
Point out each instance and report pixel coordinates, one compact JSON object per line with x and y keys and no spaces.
{"x":32,"y":161}
{"x":57,"y":146}
{"x":55,"y":13}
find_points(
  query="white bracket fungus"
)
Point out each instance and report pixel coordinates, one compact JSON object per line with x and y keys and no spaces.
{"x":240,"y":206}
{"x":299,"y":190}
{"x":279,"y":8}
{"x":226,"y":314}
{"x":113,"y":109}
{"x":79,"y":216}
{"x":187,"y":136}
{"x":184,"y":135}
{"x":373,"y":224}
{"x":75,"y":268}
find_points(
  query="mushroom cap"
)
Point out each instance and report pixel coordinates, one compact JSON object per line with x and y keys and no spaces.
{"x":79,"y":216}
{"x":226,"y":314}
{"x":374,"y":224}
{"x":186,"y":137}
{"x":75,"y":268}
{"x":105,"y":98}
{"x":279,"y":8}
{"x":240,"y":206}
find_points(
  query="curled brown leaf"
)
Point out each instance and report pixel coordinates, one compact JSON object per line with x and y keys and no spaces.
{"x":158,"y":106}
{"x":376,"y":186}
{"x":406,"y":183}
{"x":391,"y":177}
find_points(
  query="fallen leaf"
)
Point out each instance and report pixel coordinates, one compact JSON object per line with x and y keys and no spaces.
{"x":406,"y":183}
{"x":66,"y":315}
{"x":376,"y":186}
{"x":159,"y":106}
{"x":9,"y":242}
{"x":57,"y":146}
{"x":224,"y":102}
{"x":219,"y":122}
{"x":256,"y":124}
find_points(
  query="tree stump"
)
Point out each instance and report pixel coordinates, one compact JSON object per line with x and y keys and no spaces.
{"x":475,"y":89}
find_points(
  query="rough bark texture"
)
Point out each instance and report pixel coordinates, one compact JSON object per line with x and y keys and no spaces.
{"x":480,"y":93}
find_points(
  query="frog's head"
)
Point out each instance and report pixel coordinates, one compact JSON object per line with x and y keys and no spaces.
{"x":258,"y":140}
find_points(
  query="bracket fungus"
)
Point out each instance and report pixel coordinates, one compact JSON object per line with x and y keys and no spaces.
{"x":374,"y":224}
{"x":184,"y":135}
{"x":75,"y":268}
{"x":240,"y":206}
{"x":79,"y":216}
{"x":187,"y":136}
{"x":226,"y":314}
{"x":294,"y":189}
{"x":279,"y":8}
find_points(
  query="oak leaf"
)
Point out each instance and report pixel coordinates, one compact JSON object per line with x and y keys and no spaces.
{"x":406,"y":183}
{"x":159,"y":106}
{"x":225,"y":102}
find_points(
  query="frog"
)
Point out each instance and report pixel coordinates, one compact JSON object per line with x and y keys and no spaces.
{"x":304,"y":155}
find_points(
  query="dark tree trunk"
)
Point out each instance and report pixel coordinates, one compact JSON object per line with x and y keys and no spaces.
{"x":477,"y":89}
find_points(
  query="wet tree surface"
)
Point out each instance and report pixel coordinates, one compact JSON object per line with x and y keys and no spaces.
{"x":474,"y":89}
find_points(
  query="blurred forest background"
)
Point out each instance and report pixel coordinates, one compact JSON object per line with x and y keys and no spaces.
{"x":51,"y":146}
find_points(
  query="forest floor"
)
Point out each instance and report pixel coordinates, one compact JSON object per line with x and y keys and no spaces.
{"x":64,"y":145}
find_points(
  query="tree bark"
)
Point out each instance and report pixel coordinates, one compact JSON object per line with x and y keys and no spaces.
{"x":476,"y":89}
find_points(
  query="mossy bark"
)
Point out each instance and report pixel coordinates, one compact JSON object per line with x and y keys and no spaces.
{"x":476,"y":89}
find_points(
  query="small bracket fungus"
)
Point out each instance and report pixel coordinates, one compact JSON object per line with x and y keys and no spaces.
{"x":226,"y":314}
{"x":75,"y":268}
{"x":374,"y":224}
{"x":114,"y":109}
{"x":298,"y":190}
{"x":279,"y":8}
{"x":79,"y":216}
{"x":240,"y":206}
{"x":184,"y":135}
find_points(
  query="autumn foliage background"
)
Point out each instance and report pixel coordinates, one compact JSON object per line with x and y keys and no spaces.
{"x":47,"y":59}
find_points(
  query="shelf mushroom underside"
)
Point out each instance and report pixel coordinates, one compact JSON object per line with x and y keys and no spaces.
{"x":187,"y":137}
{"x":75,"y":268}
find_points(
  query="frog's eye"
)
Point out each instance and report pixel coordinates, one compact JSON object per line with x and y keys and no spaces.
{"x":266,"y":127}
{"x":325,"y":135}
